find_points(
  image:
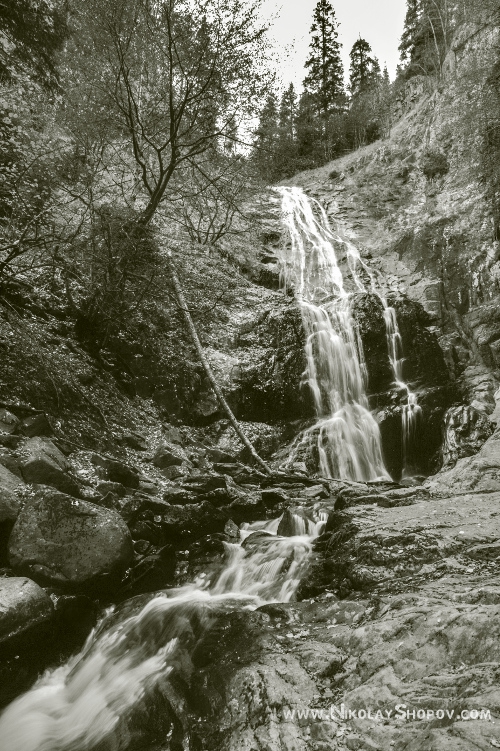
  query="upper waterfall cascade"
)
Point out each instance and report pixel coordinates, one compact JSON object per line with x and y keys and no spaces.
{"x":346,"y":434}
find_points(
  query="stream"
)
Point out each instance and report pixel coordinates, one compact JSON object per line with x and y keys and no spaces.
{"x":101,"y":699}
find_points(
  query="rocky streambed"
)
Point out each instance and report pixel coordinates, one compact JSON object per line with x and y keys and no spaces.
{"x":391,"y":640}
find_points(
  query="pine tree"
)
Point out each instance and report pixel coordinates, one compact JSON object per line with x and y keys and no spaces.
{"x":411,"y":28}
{"x":426,"y":36}
{"x":266,"y":141}
{"x":325,"y":79}
{"x":364,"y":69}
{"x":308,"y":133}
{"x":288,"y":112}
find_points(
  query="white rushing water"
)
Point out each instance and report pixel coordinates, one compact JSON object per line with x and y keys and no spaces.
{"x":142,"y":652}
{"x":346,"y":435}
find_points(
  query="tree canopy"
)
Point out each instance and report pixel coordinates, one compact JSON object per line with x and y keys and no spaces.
{"x":31,"y":34}
{"x":325,"y":77}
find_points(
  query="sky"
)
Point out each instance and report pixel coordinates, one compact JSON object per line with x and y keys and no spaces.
{"x":380,"y":22}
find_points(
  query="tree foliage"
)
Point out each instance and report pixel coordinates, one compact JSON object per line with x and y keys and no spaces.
{"x":325,"y":77}
{"x":31,"y":34}
{"x":170,"y":79}
{"x":364,"y":70}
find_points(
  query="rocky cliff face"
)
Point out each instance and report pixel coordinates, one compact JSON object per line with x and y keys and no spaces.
{"x":418,"y":207}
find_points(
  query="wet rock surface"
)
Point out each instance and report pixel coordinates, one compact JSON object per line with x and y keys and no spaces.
{"x":70,"y":543}
{"x":24,"y":606}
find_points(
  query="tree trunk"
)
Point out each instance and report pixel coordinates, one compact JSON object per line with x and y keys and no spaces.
{"x":215,"y":386}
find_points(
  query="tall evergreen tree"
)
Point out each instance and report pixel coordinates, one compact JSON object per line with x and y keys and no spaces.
{"x":411,"y":28}
{"x":364,"y":69}
{"x":288,"y":112}
{"x":325,"y":79}
{"x":426,"y":36}
{"x":308,"y":133}
{"x":266,"y":141}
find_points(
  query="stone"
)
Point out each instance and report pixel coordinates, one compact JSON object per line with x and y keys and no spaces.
{"x":24,"y":607}
{"x":179,"y":496}
{"x":69,"y":543}
{"x":10,"y":462}
{"x":147,"y":530}
{"x":142,"y":506}
{"x":479,"y":473}
{"x":9,"y":440}
{"x":111,"y":487}
{"x":172,"y":473}
{"x":122,"y":473}
{"x":273,"y":496}
{"x":247,"y":508}
{"x":46,"y":465}
{"x":154,"y":571}
{"x":134,"y":441}
{"x":288,"y":524}
{"x":168,"y":456}
{"x":8,"y":422}
{"x":10,"y":502}
{"x":146,"y":486}
{"x":220,"y":457}
{"x":231,"y":530}
{"x":315,"y":491}
{"x":180,"y":523}
{"x":34,"y":425}
{"x":172,"y":434}
{"x":203,"y":484}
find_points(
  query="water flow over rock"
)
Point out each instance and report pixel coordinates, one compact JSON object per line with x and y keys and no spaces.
{"x":128,"y":687}
{"x":346,"y":436}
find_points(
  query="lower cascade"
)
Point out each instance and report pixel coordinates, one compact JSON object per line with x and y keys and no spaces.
{"x":140,"y":653}
{"x":346,"y":436}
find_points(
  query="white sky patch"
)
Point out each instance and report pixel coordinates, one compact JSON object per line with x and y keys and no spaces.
{"x":380,"y":22}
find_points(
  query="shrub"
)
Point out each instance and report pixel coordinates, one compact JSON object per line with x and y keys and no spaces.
{"x":434,"y":163}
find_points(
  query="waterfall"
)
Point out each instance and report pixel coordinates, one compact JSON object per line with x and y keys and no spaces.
{"x":346,"y":436}
{"x":128,"y":679}
{"x":411,"y":411}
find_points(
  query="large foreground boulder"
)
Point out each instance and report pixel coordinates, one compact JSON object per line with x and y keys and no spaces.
{"x":46,"y":465}
{"x":9,"y":500}
{"x":71,"y":543}
{"x":24,"y":607}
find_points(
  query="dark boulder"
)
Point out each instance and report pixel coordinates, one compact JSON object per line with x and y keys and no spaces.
{"x":122,"y":473}
{"x":10,"y":462}
{"x":116,"y":488}
{"x":203,"y":484}
{"x":168,"y":456}
{"x":182,"y":523}
{"x":10,"y":503}
{"x":247,"y":508}
{"x":9,"y":440}
{"x":73,"y":544}
{"x":24,"y":607}
{"x":46,"y":465}
{"x":273,"y":496}
{"x":34,"y":425}
{"x":154,"y":571}
{"x":218,"y":456}
{"x":179,"y":496}
{"x":134,"y":441}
